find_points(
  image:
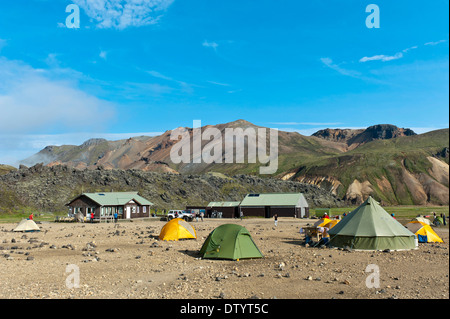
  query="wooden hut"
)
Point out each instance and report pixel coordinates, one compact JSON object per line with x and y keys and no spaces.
{"x":223,"y":209}
{"x":282,"y":204}
{"x":128,"y":205}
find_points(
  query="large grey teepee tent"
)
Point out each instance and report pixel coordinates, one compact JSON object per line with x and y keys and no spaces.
{"x":370,"y":227}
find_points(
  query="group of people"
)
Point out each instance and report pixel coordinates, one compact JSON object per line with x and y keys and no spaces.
{"x":201,"y":215}
{"x":438,"y":221}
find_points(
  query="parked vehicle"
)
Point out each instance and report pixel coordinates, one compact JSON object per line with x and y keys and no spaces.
{"x":186,"y":215}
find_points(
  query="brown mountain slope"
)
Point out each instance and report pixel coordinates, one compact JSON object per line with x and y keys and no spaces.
{"x":394,"y":165}
{"x":408,"y":170}
{"x":148,"y":153}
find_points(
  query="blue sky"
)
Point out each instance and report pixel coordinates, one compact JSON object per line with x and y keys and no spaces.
{"x":147,"y":66}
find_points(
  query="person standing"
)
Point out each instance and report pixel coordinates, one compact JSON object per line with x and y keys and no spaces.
{"x":276,"y":219}
{"x":241,"y":215}
{"x":201,"y":215}
{"x":92,"y":217}
{"x":115,"y":217}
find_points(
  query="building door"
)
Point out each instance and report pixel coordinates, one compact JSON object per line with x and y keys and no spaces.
{"x":128,"y":212}
{"x":267,"y":211}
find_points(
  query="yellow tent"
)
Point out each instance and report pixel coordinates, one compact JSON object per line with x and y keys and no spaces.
{"x":424,"y":232}
{"x":177,"y":229}
{"x":331,"y":223}
{"x":322,"y":222}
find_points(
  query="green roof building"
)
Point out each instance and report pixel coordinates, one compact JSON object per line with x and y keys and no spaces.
{"x":127,"y":205}
{"x":271,"y":204}
{"x":223,"y":209}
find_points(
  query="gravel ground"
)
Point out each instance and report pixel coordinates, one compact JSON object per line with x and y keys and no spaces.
{"x":128,"y":261}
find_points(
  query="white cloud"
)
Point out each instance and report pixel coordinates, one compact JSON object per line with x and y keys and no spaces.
{"x":36,"y":100}
{"x":184,"y":87}
{"x":329,"y":63}
{"x":409,"y":49}
{"x":435,"y":43}
{"x":158,"y":75}
{"x":218,"y":83}
{"x":398,"y":55}
{"x":32,"y":99}
{"x":213,"y":45}
{"x":121,"y":14}
{"x":131,"y":89}
{"x":52,"y":60}
{"x":382,"y":57}
{"x":103,"y":54}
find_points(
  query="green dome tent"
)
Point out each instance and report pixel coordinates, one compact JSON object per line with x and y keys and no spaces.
{"x":370,"y":227}
{"x":230,"y":241}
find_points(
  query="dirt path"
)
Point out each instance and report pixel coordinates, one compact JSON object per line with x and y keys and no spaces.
{"x":127,"y":261}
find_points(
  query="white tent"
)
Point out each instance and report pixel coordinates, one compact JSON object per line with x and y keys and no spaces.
{"x":27,"y":225}
{"x":422,"y":220}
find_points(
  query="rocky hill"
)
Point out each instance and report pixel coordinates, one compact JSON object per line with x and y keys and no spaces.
{"x":408,"y":170}
{"x":394,"y":165}
{"x":50,"y":188}
{"x":357,"y":137}
{"x":4,"y":169}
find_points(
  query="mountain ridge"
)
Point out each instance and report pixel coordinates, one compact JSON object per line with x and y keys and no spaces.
{"x":395,"y":165}
{"x":357,"y":137}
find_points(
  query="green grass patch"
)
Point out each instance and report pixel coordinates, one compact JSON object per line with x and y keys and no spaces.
{"x":399,"y":211}
{"x":15,"y":218}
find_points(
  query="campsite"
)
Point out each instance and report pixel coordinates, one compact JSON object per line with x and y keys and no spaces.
{"x":128,"y":260}
{"x":207,"y":151}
